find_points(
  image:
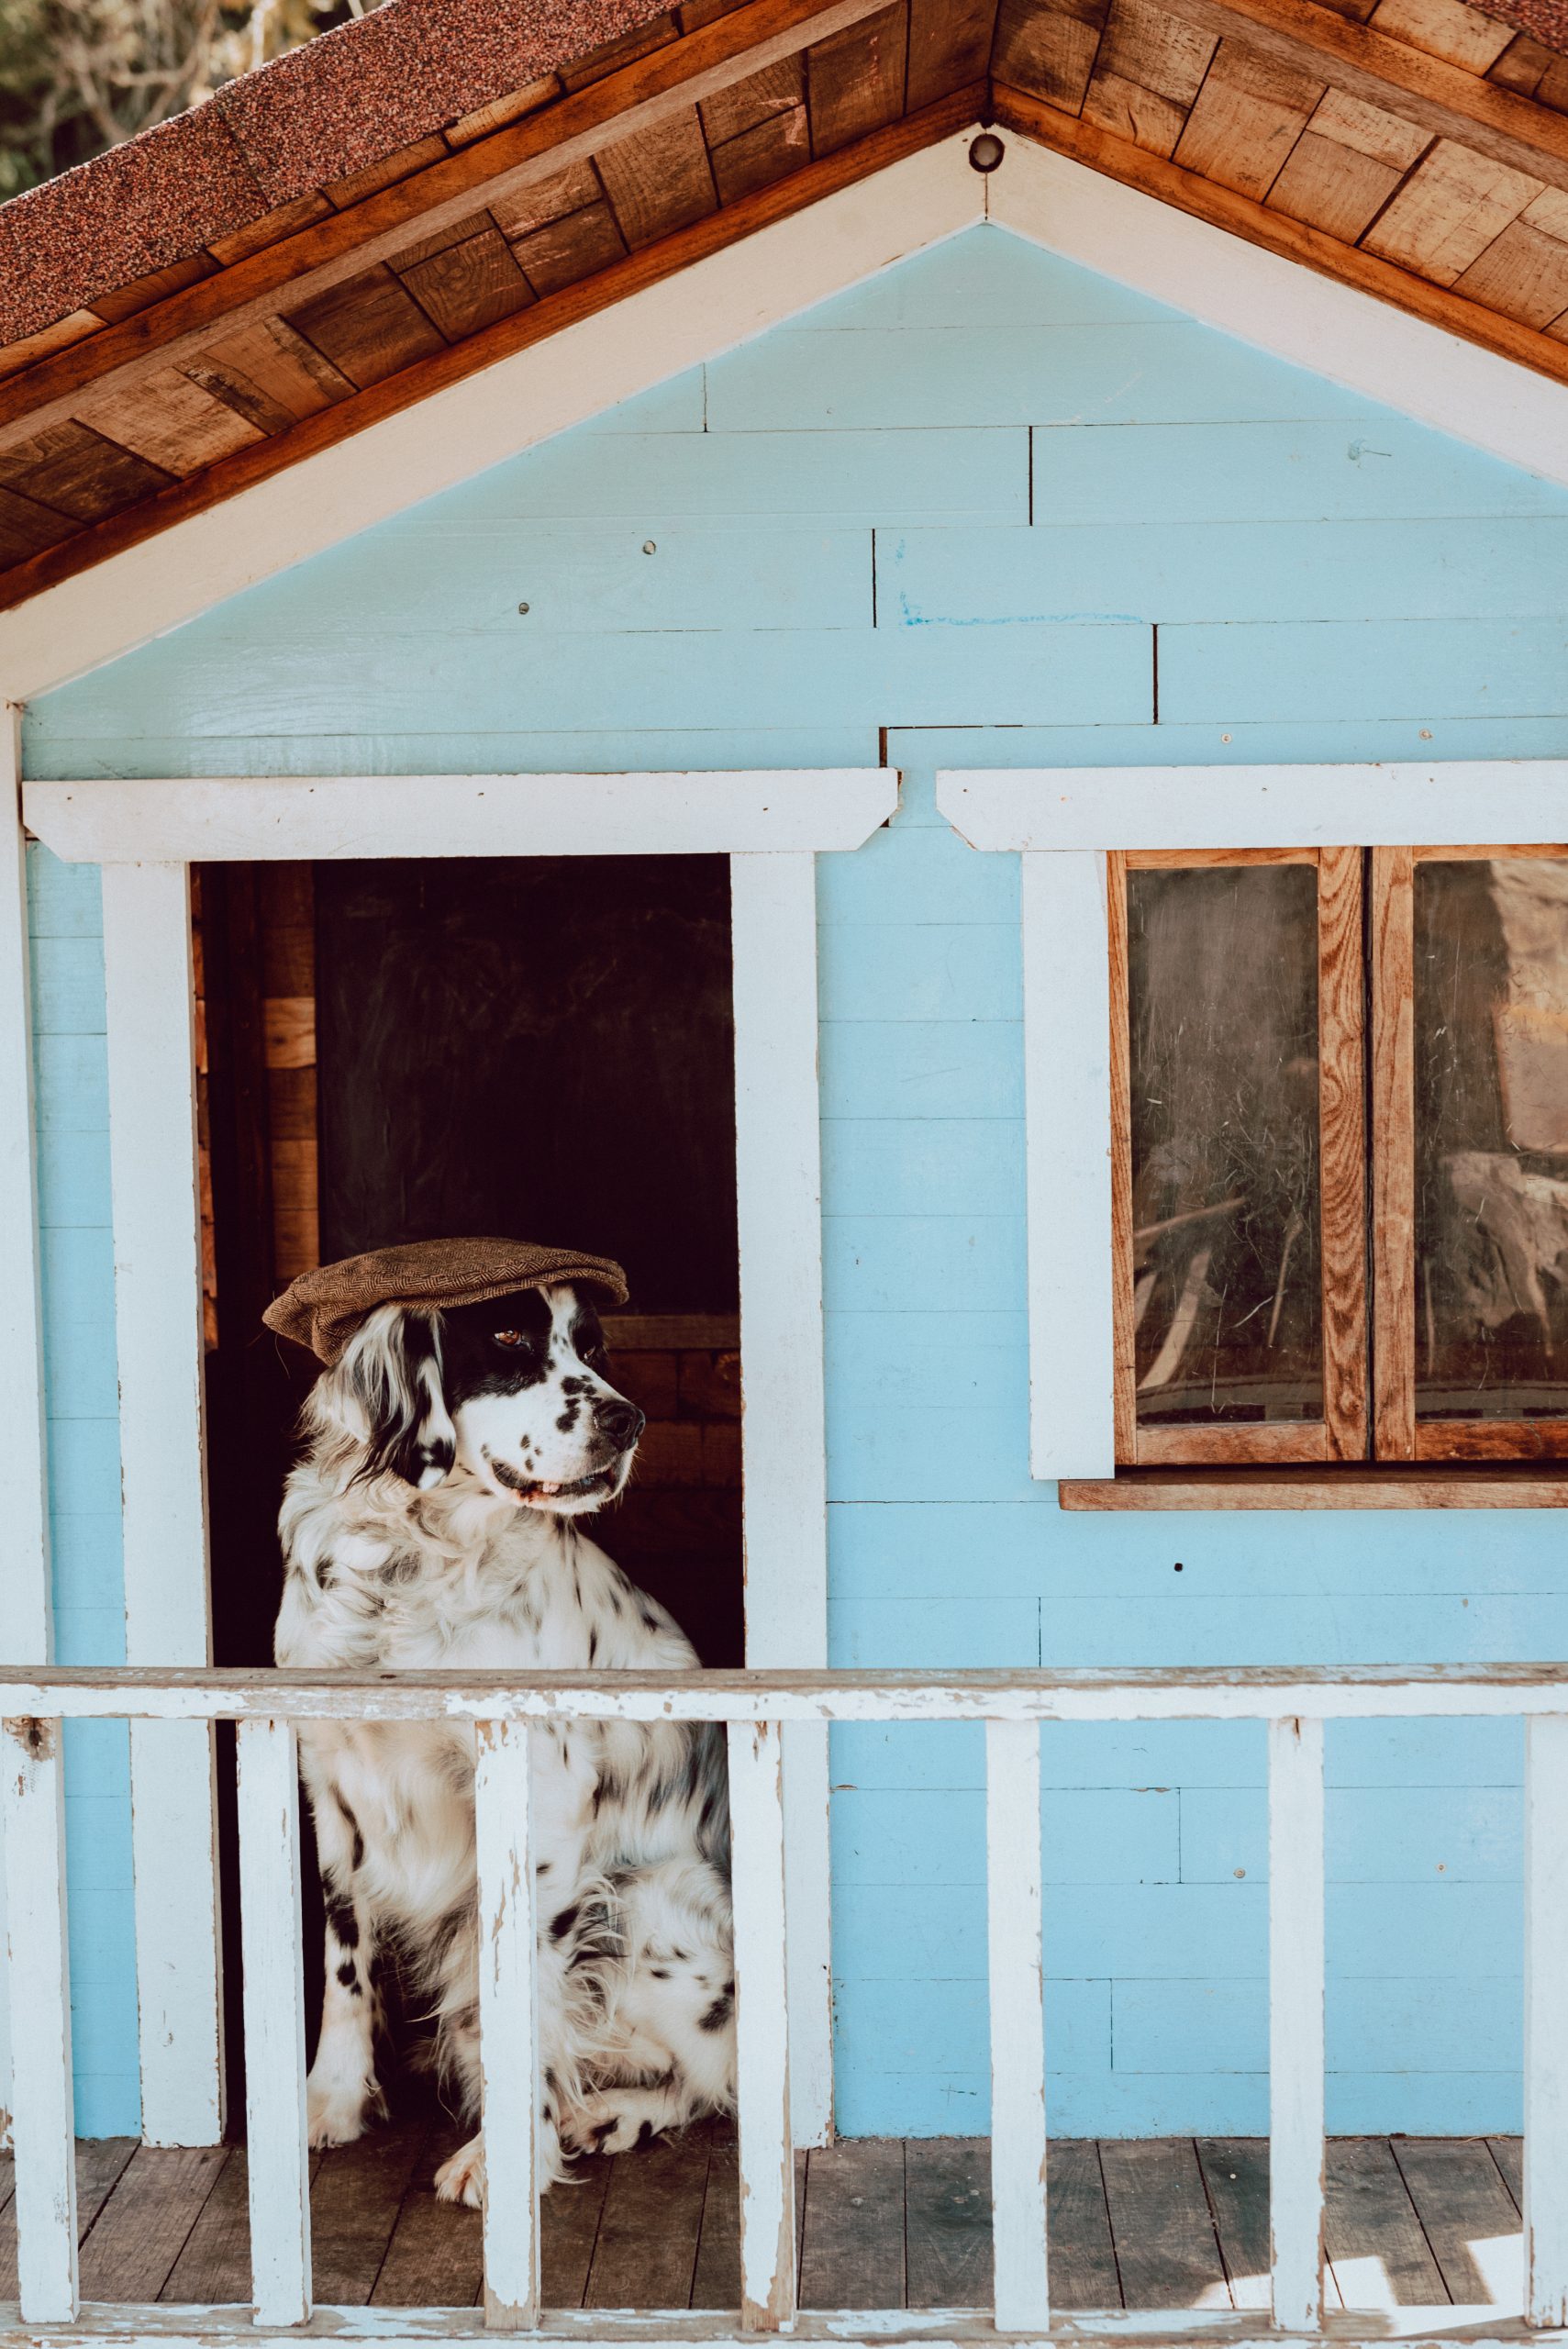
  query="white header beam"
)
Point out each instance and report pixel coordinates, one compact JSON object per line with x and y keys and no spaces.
{"x":209,"y":819}
{"x":1069,"y":810}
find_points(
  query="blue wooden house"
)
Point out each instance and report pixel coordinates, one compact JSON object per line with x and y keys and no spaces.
{"x":1071,"y":502}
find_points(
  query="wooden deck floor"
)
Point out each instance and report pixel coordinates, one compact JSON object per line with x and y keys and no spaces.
{"x":1161,"y":2223}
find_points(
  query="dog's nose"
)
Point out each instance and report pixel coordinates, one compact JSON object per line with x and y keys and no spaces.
{"x":620,"y":1423}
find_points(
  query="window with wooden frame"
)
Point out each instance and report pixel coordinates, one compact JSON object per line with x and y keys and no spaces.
{"x":1299,"y":1209}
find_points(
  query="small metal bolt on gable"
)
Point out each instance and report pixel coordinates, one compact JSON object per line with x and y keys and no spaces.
{"x":649,"y":546}
{"x":521,"y":609}
{"x":986,"y":151}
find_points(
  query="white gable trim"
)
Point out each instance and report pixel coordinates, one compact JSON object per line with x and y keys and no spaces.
{"x":1315,"y":322}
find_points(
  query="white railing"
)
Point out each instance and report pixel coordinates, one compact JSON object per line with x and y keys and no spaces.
{"x":755,"y":1706}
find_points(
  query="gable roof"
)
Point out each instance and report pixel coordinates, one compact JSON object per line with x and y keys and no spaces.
{"x":445,"y":182}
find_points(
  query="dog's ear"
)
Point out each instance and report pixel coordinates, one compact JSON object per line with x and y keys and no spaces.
{"x":389,"y":1392}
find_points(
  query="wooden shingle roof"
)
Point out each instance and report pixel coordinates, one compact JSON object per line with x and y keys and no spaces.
{"x":446,"y":181}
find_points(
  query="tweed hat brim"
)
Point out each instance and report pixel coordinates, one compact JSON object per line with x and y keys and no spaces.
{"x":322,"y":1309}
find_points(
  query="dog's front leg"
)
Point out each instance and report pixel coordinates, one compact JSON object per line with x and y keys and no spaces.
{"x":342,"y":2092}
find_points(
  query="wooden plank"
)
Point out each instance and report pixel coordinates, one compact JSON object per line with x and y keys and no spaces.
{"x":759,"y":157}
{"x":646,"y":2252}
{"x":77,"y":472}
{"x":334,"y":252}
{"x":1523,"y":274}
{"x":170,"y":421}
{"x":469,"y":285}
{"x":1445,"y":27}
{"x":1461,"y":2200}
{"x":144,"y":2223}
{"x":855,"y":79}
{"x":1500,"y":1440}
{"x":1084,"y":2273}
{"x":1331,"y":184}
{"x":715,"y":2278}
{"x":158,"y":1328}
{"x":534,"y":205}
{"x":947,"y":2223}
{"x":434,"y":2258}
{"x":778,"y":1175}
{"x":658,"y":180}
{"x":1247,"y":118}
{"x":356,"y":2194}
{"x":1508,"y":2152}
{"x":766,"y":811}
{"x":1150,"y":69}
{"x":32,"y":1807}
{"x":1341,"y":1085}
{"x":569,"y":2228}
{"x":1380,"y":2256}
{"x":270,"y":374}
{"x":1165,"y":2244}
{"x":99,"y":2163}
{"x":1016,"y":1970}
{"x":1392,"y":1239}
{"x":23,"y":1475}
{"x":274,"y":2022}
{"x":509,"y":2025}
{"x":1449,"y":211}
{"x":565,"y":252}
{"x":1340,"y":1488}
{"x":214,"y":2264}
{"x":949,"y":45}
{"x":1050,"y":52}
{"x":1235,"y":2181}
{"x":27,"y":528}
{"x":368,"y":328}
{"x":1070,"y":1033}
{"x":852,"y":2252}
{"x":1545,"y":2201}
{"x":761,"y":2025}
{"x":1233,"y":1442}
{"x":1295,"y":2022}
{"x":761,"y":99}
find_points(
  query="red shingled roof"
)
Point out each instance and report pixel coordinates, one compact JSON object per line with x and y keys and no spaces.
{"x":1545,"y":20}
{"x":345,"y":100}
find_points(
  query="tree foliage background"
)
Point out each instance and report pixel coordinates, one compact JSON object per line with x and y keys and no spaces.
{"x":79,"y":75}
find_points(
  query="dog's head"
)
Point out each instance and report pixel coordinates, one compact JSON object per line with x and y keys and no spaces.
{"x":513,"y":1391}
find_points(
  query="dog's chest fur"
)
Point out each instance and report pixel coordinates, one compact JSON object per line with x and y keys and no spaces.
{"x":454,"y":1578}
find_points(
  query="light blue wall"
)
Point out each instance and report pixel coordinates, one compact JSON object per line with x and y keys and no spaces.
{"x":841,"y":514}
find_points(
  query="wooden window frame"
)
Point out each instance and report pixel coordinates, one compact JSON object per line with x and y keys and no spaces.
{"x":146,"y":835}
{"x":1068,"y":824}
{"x":1340,"y":1433}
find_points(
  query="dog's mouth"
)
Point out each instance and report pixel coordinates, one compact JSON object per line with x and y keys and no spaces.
{"x":541,"y":1492}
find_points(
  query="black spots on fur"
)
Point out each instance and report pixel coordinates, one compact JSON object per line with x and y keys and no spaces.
{"x":605,"y":2129}
{"x":568,"y":1418}
{"x":716,"y":2017}
{"x":348,"y":1975}
{"x":324,"y":1576}
{"x":617,"y":1604}
{"x":342,"y":1920}
{"x":645,"y":2134}
{"x":647,"y":1618}
{"x":477,"y":1362}
{"x":353,"y":1824}
{"x":560,"y":1924}
{"x":551,"y":2080}
{"x":542,"y":1868}
{"x":660,"y":1972}
{"x":593,"y":1647}
{"x":546,"y":2112}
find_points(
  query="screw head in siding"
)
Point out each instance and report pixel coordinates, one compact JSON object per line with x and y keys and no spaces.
{"x":986,"y":151}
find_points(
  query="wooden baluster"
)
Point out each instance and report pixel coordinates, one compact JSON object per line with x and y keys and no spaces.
{"x":1296,"y":2022}
{"x":509,"y":2026}
{"x":41,"y":2022}
{"x":1013,"y":1903}
{"x":761,"y":2028}
{"x":274,"y":2022}
{"x":1546,"y":2017}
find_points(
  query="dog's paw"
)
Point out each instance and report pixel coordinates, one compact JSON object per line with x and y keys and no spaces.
{"x":461,"y":2178}
{"x":337,"y":2113}
{"x":614,"y":2122}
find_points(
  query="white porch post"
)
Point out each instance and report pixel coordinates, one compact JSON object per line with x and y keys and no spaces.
{"x":1546,"y":2020}
{"x":158,"y":1320}
{"x":778,"y":1169}
{"x":25,"y":1604}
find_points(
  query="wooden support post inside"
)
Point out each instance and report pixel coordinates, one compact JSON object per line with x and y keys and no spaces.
{"x":509,"y":2026}
{"x":274,"y":2022}
{"x":158,"y":1328}
{"x":1546,"y":2020}
{"x":34,"y":1814}
{"x":1296,"y":2022}
{"x":761,"y":2028}
{"x":1018,"y":2025}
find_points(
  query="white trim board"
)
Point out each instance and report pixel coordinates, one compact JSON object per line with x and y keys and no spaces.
{"x":1335,"y":330}
{"x":209,"y":819}
{"x":1063,"y":821}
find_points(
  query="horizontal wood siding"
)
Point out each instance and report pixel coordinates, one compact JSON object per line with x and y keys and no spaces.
{"x":960,"y":504}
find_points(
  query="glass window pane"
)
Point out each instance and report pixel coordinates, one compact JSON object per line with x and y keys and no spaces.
{"x":1491,"y":1067}
{"x":1223,"y":1001}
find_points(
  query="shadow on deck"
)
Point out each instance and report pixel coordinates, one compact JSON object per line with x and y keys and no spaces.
{"x":1164,"y":2222}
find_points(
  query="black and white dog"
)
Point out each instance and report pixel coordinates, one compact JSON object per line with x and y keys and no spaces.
{"x":430,"y":1523}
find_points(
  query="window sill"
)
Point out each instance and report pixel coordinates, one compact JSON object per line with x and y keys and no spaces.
{"x":1522,"y":1485}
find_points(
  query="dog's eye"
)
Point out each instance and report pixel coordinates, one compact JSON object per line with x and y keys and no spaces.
{"x":510,"y":1338}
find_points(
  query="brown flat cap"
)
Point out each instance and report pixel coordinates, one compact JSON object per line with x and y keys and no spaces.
{"x":323,"y":1309}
